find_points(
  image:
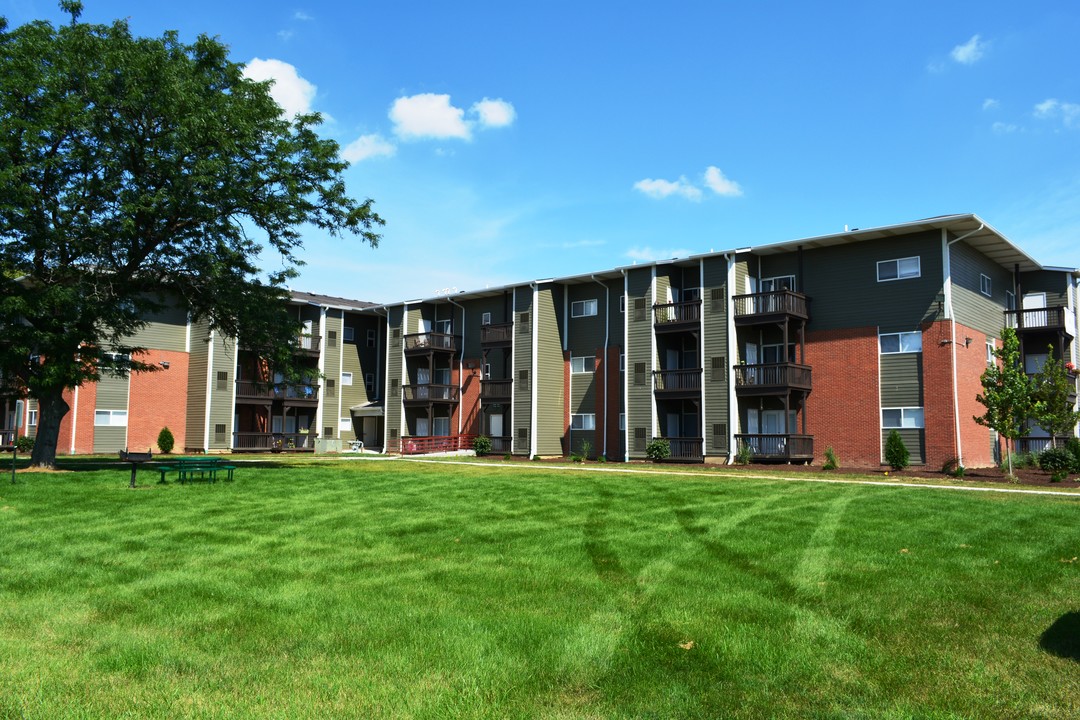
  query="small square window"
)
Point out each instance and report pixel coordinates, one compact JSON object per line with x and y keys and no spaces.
{"x":984,"y":285}
{"x":349,"y":334}
{"x":485,"y":319}
{"x":346,"y":378}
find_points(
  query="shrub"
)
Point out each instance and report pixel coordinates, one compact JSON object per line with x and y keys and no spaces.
{"x":831,"y":463}
{"x":744,"y":454}
{"x":601,"y":458}
{"x":1055,"y":460}
{"x":896,"y":452}
{"x":953,"y":467}
{"x":657,"y":450}
{"x":1059,"y":475}
{"x":24,"y":444}
{"x":165,"y":440}
{"x":584,"y":450}
{"x":481,"y":445}
{"x":1073,"y":446}
{"x":508,"y":456}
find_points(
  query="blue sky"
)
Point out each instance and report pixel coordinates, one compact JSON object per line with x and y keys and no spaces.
{"x":504,"y":142}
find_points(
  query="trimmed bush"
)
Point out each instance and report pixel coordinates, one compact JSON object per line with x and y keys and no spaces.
{"x":481,"y":445}
{"x":657,"y":450}
{"x":831,"y":463}
{"x":1055,"y":460}
{"x":165,"y":440}
{"x":896,"y":452}
{"x":24,"y":444}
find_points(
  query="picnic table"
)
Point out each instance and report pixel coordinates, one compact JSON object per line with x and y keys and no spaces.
{"x":207,"y":468}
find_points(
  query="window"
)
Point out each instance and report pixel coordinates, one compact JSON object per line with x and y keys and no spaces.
{"x":639,"y":310}
{"x":394,"y":387}
{"x":346,"y":378}
{"x":222,"y":380}
{"x":622,"y":362}
{"x":442,"y":326}
{"x":582,"y":364}
{"x":583,"y":422}
{"x":622,"y":422}
{"x":907,"y":342}
{"x":990,"y":347}
{"x":395,"y":337}
{"x":441,"y":426}
{"x":622,"y":303}
{"x":583,"y":308}
{"x":1010,"y":300}
{"x":902,"y":418}
{"x":32,"y":419}
{"x":984,"y":285}
{"x":331,"y":388}
{"x":371,"y":338}
{"x":485,"y":319}
{"x":487,"y":371}
{"x":780,"y":282}
{"x":328,"y":431}
{"x":345,"y":424}
{"x":349,"y":335}
{"x":110,"y":418}
{"x":900,"y":269}
{"x":772,"y":354}
{"x":369,"y":383}
{"x":331,"y":338}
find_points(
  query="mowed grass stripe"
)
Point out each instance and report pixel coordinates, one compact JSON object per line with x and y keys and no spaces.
{"x":401,"y":590}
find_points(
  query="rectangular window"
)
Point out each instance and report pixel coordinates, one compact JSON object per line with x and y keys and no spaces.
{"x":1010,"y":300}
{"x":395,"y":337}
{"x":441,"y":427}
{"x":583,"y":422}
{"x":331,"y":388}
{"x":780,"y":282}
{"x":523,"y":323}
{"x":990,"y":347}
{"x":907,"y":342}
{"x":582,"y":364}
{"x":772,"y":354}
{"x":331,"y":338}
{"x":622,"y":303}
{"x":486,"y":371}
{"x":902,"y":418}
{"x":442,"y":326}
{"x":622,"y":422}
{"x":622,"y":362}
{"x":371,"y":338}
{"x":345,"y":424}
{"x":110,"y":418}
{"x":899,"y":269}
{"x":31,"y":421}
{"x":984,"y":285}
{"x":349,"y":335}
{"x":583,"y":308}
{"x":222,"y":380}
{"x":346,"y":378}
{"x":369,"y":383}
{"x":485,"y":319}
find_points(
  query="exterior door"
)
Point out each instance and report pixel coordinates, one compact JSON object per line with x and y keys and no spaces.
{"x":442,"y":426}
{"x":495,"y":425}
{"x":422,"y":427}
{"x":673,"y":425}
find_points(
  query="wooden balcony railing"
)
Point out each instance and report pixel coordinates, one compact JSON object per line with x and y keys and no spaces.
{"x":266,"y":442}
{"x":768,"y":306}
{"x":428,"y":341}
{"x":501,"y":445}
{"x":496,"y":390}
{"x":778,"y":447}
{"x":686,"y":449}
{"x":677,"y":382}
{"x":496,"y":335}
{"x":251,"y":390}
{"x":671,"y":316}
{"x":422,"y":445}
{"x":309,"y":343}
{"x":771,"y":378}
{"x":428,"y":393}
{"x":1049,"y":318}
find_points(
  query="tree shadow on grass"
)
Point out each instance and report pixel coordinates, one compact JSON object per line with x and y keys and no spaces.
{"x":1062,"y":638}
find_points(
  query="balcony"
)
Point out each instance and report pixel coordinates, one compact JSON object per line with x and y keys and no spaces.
{"x":424,"y":444}
{"x":779,"y":448}
{"x":426,"y":394}
{"x":421,"y":343}
{"x":292,"y":393}
{"x":495,"y":336}
{"x":677,"y":317}
{"x":496,"y":391}
{"x":274,"y":442}
{"x":686,"y":449}
{"x":308,"y":345}
{"x":771,"y":307}
{"x":1039,"y":319}
{"x":677,"y":384}
{"x":771,"y":379}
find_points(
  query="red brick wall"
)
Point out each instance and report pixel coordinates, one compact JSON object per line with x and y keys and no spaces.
{"x":82,"y":418}
{"x":469,"y":406}
{"x":938,"y":409}
{"x":970,"y":365}
{"x":155,"y":400}
{"x":843,"y":410}
{"x":607,"y":418}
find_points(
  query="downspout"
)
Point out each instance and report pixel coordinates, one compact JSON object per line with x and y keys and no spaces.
{"x":607,"y":334}
{"x":535,"y":384}
{"x":732,"y":348}
{"x":947,"y":290}
{"x":461,"y":361}
{"x":75,"y":419}
{"x":209,"y":389}
{"x":378,"y":385}
{"x":320,"y":409}
{"x":622,"y":376}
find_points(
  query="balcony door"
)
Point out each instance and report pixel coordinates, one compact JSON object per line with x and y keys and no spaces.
{"x":423,"y":429}
{"x":442,"y":427}
{"x":495,"y":425}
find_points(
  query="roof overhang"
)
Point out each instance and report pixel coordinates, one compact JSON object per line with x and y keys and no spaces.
{"x":367,"y":410}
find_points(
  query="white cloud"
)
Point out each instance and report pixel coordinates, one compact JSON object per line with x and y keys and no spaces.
{"x":493,"y":113}
{"x":301,"y":15}
{"x":1053,"y":109}
{"x":1003,"y":128}
{"x":935,"y":66}
{"x":990,"y":104}
{"x":285,"y":35}
{"x":665,"y":188}
{"x":970,"y":52}
{"x":647,"y":254}
{"x":715,"y":181}
{"x":428,"y":115}
{"x":368,"y":146}
{"x":293,"y":93}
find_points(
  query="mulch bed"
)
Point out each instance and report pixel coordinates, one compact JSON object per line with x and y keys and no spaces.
{"x":1026,"y":476}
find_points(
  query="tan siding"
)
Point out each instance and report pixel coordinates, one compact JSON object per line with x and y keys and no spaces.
{"x":521,"y":421}
{"x":394,"y":372}
{"x":165,"y":330}
{"x":550,"y":422}
{"x":638,"y":356}
{"x":714,"y":346}
{"x":112,"y":394}
{"x":196,"y":397}
{"x":221,"y":400}
{"x":333,"y":406}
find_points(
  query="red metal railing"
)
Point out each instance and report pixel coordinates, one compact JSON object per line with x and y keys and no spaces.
{"x":423,"y":445}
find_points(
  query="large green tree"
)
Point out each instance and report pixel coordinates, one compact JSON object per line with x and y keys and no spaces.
{"x":1055,"y":391}
{"x":136,"y":172}
{"x":1007,"y":394}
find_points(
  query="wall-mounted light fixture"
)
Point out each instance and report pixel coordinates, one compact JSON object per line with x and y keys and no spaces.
{"x":164,"y":364}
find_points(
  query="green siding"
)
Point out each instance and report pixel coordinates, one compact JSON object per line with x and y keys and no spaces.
{"x":550,"y":393}
{"x":198,"y":361}
{"x":394,"y":372}
{"x":714,"y":350}
{"x":639,"y":355}
{"x":585,"y":334}
{"x":221,"y":395}
{"x":112,"y":394}
{"x":333,"y":406}
{"x":901,"y":380}
{"x":972,"y":308}
{"x":779,"y":265}
{"x":474,"y":315}
{"x":1054,"y":284}
{"x":521,"y":420}
{"x":165,"y":330}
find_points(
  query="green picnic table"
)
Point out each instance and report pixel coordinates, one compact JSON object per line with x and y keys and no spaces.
{"x":206,"y":468}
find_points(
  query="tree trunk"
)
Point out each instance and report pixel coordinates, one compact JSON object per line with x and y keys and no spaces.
{"x":51,"y":411}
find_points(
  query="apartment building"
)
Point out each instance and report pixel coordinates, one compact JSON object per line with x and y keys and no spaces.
{"x":216,"y":396}
{"x":786,"y":349}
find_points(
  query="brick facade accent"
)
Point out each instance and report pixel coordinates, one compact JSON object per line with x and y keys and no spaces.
{"x":469,"y":406}
{"x":970,"y":365}
{"x":156,"y":400}
{"x":607,"y":418}
{"x":842,"y":411}
{"x":81,"y":418}
{"x":938,"y":410}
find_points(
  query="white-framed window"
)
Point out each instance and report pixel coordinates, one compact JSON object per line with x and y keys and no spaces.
{"x":346,"y":378}
{"x":772,"y":354}
{"x":582,"y":364}
{"x":899,"y":269}
{"x":905,"y":342}
{"x":622,"y":422}
{"x":110,"y":418}
{"x":487,"y":371}
{"x":991,"y":346}
{"x":345,"y":424}
{"x":583,"y":421}
{"x":349,"y":334}
{"x":371,"y":338}
{"x":898,"y":418}
{"x":583,"y":308}
{"x":31,"y":420}
{"x":485,"y":319}
{"x":1010,"y":300}
{"x":369,"y":382}
{"x":984,"y":285}
{"x":780,"y":282}
{"x":442,"y":326}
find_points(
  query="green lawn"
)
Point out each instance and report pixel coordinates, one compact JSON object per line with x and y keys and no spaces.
{"x":407,"y":590}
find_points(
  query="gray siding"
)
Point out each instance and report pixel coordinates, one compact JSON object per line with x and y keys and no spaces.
{"x":394,"y":374}
{"x":165,"y":330}
{"x":914,"y":440}
{"x":715,"y":361}
{"x":901,"y":380}
{"x":639,"y":360}
{"x":198,"y":360}
{"x":521,"y":422}
{"x":972,"y":308}
{"x":474,"y":314}
{"x":585,"y":334}
{"x":333,"y":405}
{"x":551,"y":369}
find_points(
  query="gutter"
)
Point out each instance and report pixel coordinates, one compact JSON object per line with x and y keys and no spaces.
{"x":622,"y":376}
{"x":952,"y":321}
{"x":607,"y":335}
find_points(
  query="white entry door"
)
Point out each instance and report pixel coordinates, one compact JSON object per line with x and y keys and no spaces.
{"x":495,"y":425}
